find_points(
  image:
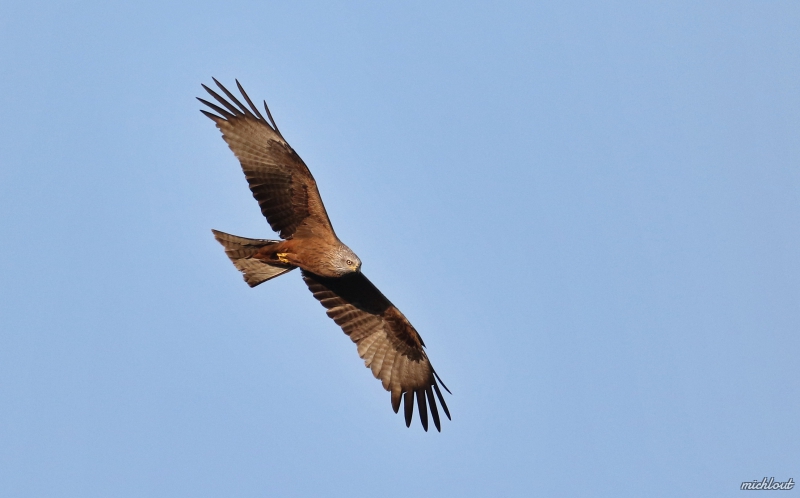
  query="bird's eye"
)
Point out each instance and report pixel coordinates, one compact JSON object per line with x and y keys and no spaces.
{"x":349,"y":262}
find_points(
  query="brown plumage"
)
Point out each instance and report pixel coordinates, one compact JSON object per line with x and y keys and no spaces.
{"x":289,"y":199}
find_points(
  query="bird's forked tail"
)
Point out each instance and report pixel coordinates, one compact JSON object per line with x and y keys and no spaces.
{"x":241,"y":251}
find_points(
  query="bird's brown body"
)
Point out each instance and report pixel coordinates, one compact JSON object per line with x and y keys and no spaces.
{"x":289,"y":199}
{"x":313,"y":258}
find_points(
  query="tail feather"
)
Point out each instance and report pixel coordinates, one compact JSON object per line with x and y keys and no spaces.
{"x":241,"y":251}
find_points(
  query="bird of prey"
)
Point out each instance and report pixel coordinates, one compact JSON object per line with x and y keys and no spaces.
{"x":288,"y":196}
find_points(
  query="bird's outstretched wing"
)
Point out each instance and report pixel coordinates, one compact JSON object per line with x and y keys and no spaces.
{"x":279,"y":179}
{"x":386,"y":341}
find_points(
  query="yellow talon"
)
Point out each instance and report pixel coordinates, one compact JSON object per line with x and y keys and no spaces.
{"x":282,"y":257}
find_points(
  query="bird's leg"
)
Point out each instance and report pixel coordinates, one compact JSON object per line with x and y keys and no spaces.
{"x":281,"y":252}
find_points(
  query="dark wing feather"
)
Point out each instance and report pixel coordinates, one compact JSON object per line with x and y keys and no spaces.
{"x":388,"y":343}
{"x":279,"y":179}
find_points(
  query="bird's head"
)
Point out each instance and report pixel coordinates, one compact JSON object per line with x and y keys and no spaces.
{"x":346,"y":261}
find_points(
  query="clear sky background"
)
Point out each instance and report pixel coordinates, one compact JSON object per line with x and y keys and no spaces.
{"x":590,"y":211}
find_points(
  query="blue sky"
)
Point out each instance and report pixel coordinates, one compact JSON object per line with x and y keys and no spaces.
{"x":590,"y":212}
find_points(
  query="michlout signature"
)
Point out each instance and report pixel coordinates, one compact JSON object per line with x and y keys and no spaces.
{"x":768,"y":484}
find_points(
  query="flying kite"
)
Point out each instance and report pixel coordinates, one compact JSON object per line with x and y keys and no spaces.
{"x":288,"y":196}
